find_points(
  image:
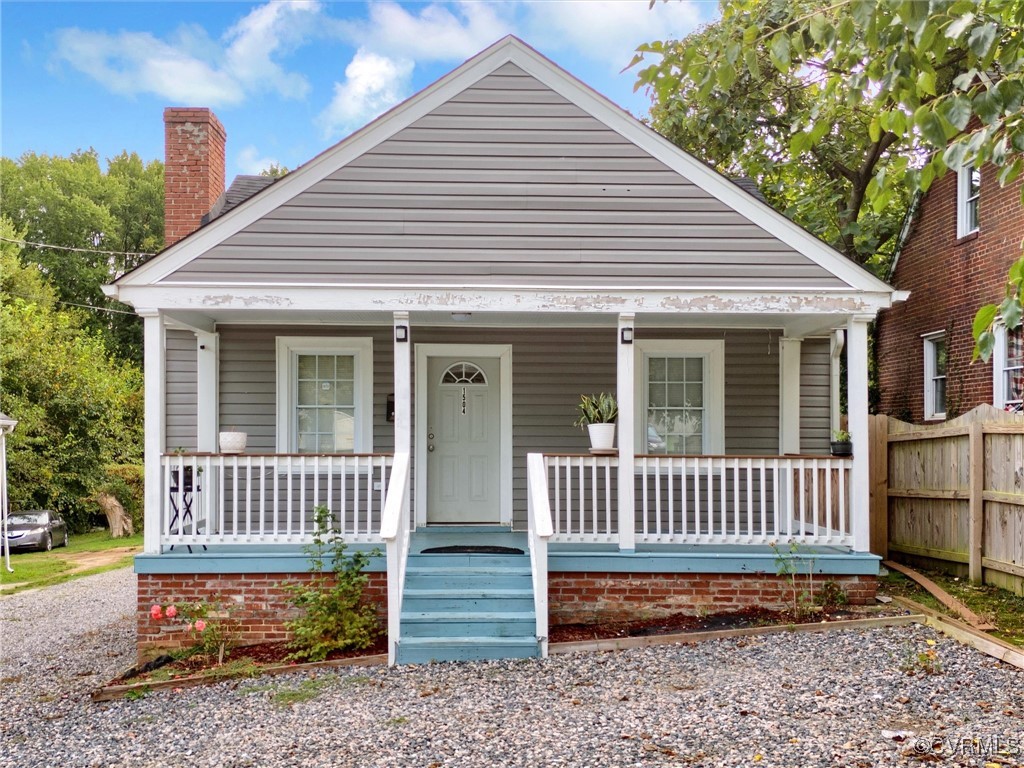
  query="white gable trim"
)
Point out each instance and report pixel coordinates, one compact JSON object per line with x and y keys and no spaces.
{"x":510,"y":49}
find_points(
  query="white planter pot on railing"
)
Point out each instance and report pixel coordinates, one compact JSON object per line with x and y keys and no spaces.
{"x":602,"y":437}
{"x":233,"y":442}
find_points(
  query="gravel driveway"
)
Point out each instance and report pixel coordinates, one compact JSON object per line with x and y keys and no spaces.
{"x":785,"y":700}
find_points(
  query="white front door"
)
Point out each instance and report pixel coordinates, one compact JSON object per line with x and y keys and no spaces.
{"x":463,"y":439}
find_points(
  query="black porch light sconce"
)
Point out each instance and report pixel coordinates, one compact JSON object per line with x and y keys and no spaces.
{"x":402,"y":333}
{"x":389,"y":408}
{"x":627,"y":335}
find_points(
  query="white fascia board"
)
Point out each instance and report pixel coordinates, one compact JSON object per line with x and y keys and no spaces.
{"x":215,"y":299}
{"x":708,"y":179}
{"x":323,"y":165}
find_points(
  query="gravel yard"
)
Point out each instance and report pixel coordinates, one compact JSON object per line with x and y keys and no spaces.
{"x":837,"y":698}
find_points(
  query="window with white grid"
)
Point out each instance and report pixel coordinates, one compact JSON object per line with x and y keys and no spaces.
{"x":325,"y":388}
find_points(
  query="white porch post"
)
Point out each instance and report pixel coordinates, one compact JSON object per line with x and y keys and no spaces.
{"x":403,"y":383}
{"x":857,"y":408}
{"x":789,"y":395}
{"x":627,"y":447}
{"x":154,"y":362}
{"x":207,"y":390}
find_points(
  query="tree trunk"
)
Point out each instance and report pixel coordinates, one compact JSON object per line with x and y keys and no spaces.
{"x":119,"y":522}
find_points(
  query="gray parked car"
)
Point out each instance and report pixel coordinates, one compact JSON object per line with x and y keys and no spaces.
{"x":36,"y":529}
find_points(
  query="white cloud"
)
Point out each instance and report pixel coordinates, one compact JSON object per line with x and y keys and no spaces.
{"x":268,"y":30}
{"x":373,"y":84}
{"x":189,"y":66}
{"x":607,"y":30}
{"x":438,"y":32}
{"x":250,"y":161}
{"x":130,"y":63}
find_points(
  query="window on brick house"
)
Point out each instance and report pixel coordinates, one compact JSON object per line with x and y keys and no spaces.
{"x":935,"y":376}
{"x":968,"y":194}
{"x":1008,"y":369}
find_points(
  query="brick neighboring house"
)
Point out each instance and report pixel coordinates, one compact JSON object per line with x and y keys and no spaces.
{"x":963,"y":239}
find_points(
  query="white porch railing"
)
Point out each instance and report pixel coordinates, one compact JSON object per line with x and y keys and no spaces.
{"x":270,"y":498}
{"x":703,"y":499}
{"x":395,"y":530}
{"x":539,"y":530}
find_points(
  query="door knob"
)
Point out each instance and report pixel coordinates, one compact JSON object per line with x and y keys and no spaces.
{"x":430,"y":447}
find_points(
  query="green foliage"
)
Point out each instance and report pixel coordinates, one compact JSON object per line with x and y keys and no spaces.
{"x":830,"y":595}
{"x":71,"y":202}
{"x":1009,"y":312}
{"x":78,"y":409}
{"x":597,"y":409}
{"x":214,"y":633}
{"x":333,"y":616}
{"x":275,"y":171}
{"x":839,"y":110}
{"x":787,"y":564}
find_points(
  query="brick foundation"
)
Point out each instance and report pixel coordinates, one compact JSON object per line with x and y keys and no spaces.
{"x":260,"y":605}
{"x":256,"y":601}
{"x":589,"y":598}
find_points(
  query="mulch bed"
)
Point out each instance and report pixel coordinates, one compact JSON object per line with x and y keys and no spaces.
{"x":276,"y":654}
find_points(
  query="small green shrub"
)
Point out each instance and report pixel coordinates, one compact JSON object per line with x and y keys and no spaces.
{"x":210,"y":626}
{"x":831,"y":595}
{"x":786,"y":562}
{"x":334,"y":616}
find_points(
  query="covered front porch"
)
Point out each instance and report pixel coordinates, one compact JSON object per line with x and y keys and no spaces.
{"x":646,"y":512}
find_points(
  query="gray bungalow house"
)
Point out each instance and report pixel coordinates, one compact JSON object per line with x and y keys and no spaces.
{"x":403,"y":327}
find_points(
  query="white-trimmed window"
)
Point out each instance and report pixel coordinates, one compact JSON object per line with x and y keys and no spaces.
{"x":935,"y":375}
{"x":1008,"y":369}
{"x":967,"y":196}
{"x":680,"y":404}
{"x":324,"y":394}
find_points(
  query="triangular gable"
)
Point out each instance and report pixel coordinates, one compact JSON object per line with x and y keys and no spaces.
{"x":507,"y":172}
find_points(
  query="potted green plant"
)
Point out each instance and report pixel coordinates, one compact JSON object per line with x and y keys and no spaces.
{"x":598,"y":414}
{"x":841,"y":444}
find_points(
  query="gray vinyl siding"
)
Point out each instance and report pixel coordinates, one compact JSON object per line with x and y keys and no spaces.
{"x":507,"y":182}
{"x":815,"y":396}
{"x":248,"y":379}
{"x":550,"y":369}
{"x":180,"y":391}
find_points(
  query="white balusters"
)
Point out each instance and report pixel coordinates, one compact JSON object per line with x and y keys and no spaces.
{"x":267,"y":498}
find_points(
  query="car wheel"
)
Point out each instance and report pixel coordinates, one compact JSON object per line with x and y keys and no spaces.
{"x":65,"y":538}
{"x":48,"y":542}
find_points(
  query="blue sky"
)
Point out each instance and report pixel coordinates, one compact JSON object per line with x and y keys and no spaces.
{"x":287,"y":79}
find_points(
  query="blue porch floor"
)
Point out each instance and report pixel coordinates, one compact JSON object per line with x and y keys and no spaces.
{"x":660,"y":558}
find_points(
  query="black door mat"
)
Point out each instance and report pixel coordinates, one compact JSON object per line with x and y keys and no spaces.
{"x":473,"y":549}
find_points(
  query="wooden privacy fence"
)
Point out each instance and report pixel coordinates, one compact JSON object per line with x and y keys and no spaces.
{"x":952,"y":492}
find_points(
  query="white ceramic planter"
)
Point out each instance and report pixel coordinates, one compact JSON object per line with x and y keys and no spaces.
{"x":232,"y":442}
{"x":602,"y":436}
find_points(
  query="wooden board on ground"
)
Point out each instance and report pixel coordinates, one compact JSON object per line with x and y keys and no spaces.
{"x":963,"y":633}
{"x":942,"y":595}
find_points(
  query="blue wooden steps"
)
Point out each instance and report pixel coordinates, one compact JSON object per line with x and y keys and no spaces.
{"x":461,"y":606}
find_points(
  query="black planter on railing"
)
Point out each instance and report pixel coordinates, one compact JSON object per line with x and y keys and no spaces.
{"x":842,"y":447}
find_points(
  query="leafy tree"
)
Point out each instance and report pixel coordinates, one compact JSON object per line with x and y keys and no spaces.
{"x":79,"y":410}
{"x":71,"y":203}
{"x":839,"y":110}
{"x":275,"y":171}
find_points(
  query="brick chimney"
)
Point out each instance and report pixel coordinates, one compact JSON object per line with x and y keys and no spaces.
{"x":194,"y":142}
